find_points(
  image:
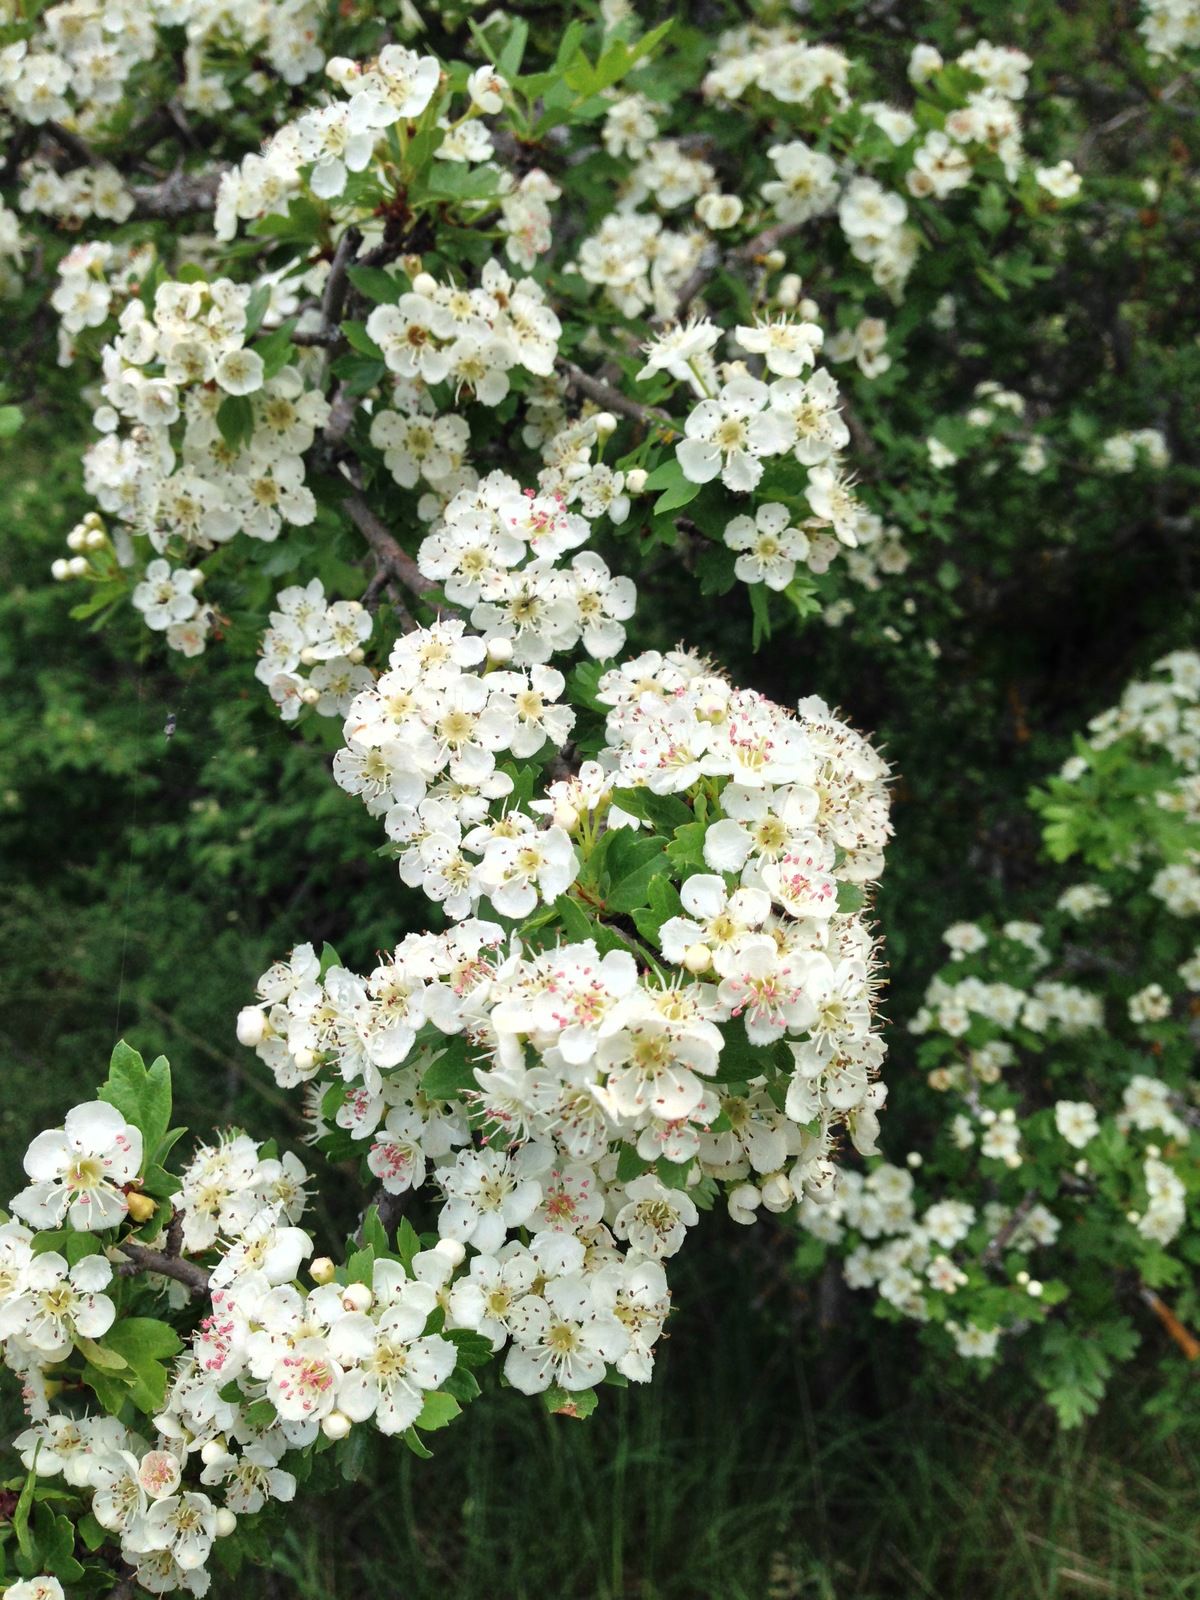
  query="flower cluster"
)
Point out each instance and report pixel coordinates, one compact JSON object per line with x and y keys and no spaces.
{"x":1060,"y":1052}
{"x":309,"y":632}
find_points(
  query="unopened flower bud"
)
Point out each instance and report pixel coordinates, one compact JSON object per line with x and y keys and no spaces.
{"x":336,"y":1425}
{"x":697,"y":958}
{"x":357,"y":1297}
{"x":1022,"y":1278}
{"x":809,"y":310}
{"x":1034,"y":1288}
{"x":140,"y":1206}
{"x":744,"y":1201}
{"x":77,"y":538}
{"x":1153,"y":1151}
{"x":777,"y":1192}
{"x":914,"y":1158}
{"x":788,"y":291}
{"x":357,"y":654}
{"x":251,"y":1026}
{"x":566,"y":817}
{"x":452,"y":1249}
{"x":60,"y":570}
{"x":305,"y":1060}
{"x":310,"y":694}
{"x":226,"y":1522}
{"x":774,"y":260}
{"x":93,"y":519}
{"x":96,"y":539}
{"x":78,"y":565}
{"x":425,"y":283}
{"x":322,"y":1270}
{"x":635,"y":481}
{"x":605,"y":424}
{"x":212,"y":1451}
{"x":308,"y":656}
{"x":499,"y":651}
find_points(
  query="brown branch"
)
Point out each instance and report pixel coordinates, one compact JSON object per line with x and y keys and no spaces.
{"x":995,"y":1246}
{"x":141,"y":1258}
{"x":613,"y":400}
{"x":1186,"y":1340}
{"x":72,"y":144}
{"x":769,"y":239}
{"x":179,"y":195}
{"x":385,"y":549}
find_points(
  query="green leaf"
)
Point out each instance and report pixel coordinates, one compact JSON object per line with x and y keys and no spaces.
{"x":473,"y":1349}
{"x":850,"y":897}
{"x":146,"y":1344}
{"x":375,"y":284}
{"x":676,"y":489}
{"x":452,"y":1073}
{"x":439,"y":1411}
{"x":579,"y":1403}
{"x":235,"y":418}
{"x":256,"y":309}
{"x":413,"y":1440}
{"x":141,"y":1094}
{"x":631,"y":862}
{"x":686,"y":849}
{"x":106,"y":1360}
{"x":740,"y":1060}
{"x":408,"y":1243}
{"x":276,"y":350}
{"x":20,"y":1516}
{"x":760,"y":610}
{"x":630,"y":1165}
{"x":359,"y":339}
{"x":666,"y":812}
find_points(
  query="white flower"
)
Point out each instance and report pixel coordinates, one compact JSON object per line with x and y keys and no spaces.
{"x":772,"y":546}
{"x":654,"y":1219}
{"x":1060,"y":180}
{"x":1076,"y":1120}
{"x":786,"y":346}
{"x":57,"y":1302}
{"x":390,"y":1363}
{"x":167,"y":595}
{"x":729,"y":435}
{"x":240,"y":371}
{"x":79,"y":1171}
{"x":561,"y":1338}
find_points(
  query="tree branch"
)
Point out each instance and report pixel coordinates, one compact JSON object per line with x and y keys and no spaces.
{"x":179,"y":195}
{"x":613,"y":400}
{"x":142,"y":1258}
{"x":995,"y":1246}
{"x":386,"y":550}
